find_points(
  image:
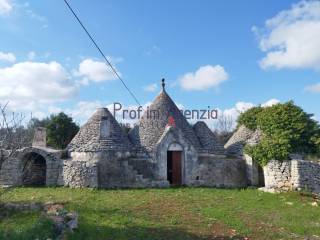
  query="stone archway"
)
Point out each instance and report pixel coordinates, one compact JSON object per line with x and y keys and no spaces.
{"x":34,"y":169}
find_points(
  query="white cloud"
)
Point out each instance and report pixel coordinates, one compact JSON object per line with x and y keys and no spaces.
{"x":151,"y":88}
{"x":270,"y":103}
{"x":239,"y":108}
{"x":95,"y":71}
{"x":291,"y":38}
{"x":5,"y":7}
{"x":205,"y":77}
{"x":83,"y":110}
{"x":234,"y":112}
{"x":315,"y":88}
{"x":29,"y":85}
{"x":7,"y":57}
{"x":31,"y":55}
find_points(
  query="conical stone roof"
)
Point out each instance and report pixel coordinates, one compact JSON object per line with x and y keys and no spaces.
{"x":161,"y":113}
{"x":207,"y":138}
{"x":101,"y":132}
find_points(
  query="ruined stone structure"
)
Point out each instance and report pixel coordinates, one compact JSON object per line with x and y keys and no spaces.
{"x":292,"y":174}
{"x":163,"y":149}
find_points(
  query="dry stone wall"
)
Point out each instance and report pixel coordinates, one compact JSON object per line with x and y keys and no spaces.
{"x":12,"y":169}
{"x":80,"y":174}
{"x":108,"y":169}
{"x":9,"y":173}
{"x":221,"y":172}
{"x":277,"y":175}
{"x":305,"y":175}
{"x":292,"y":175}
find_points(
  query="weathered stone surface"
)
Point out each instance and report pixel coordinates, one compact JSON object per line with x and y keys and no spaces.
{"x":151,"y":126}
{"x":101,"y":132}
{"x":80,"y":174}
{"x":209,"y":141}
{"x":240,"y":138}
{"x":102,"y":156}
{"x":12,"y":171}
{"x":221,"y":172}
{"x":305,"y":175}
{"x":172,"y":135}
{"x":277,"y":175}
{"x":293,"y":174}
{"x":40,"y":137}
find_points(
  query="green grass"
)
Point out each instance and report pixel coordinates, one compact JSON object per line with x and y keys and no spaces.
{"x":179,"y":213}
{"x":25,"y":225}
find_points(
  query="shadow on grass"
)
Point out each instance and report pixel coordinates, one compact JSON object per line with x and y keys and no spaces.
{"x":25,"y":225}
{"x":22,"y":225}
{"x":95,"y":232}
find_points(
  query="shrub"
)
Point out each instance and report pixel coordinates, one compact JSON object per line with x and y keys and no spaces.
{"x":286,"y":128}
{"x":249,"y":117}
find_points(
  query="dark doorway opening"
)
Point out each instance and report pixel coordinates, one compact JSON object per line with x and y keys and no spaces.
{"x":174,"y":167}
{"x":34,"y":170}
{"x":261,"y":176}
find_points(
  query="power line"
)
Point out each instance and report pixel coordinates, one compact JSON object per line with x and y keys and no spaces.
{"x":102,"y":54}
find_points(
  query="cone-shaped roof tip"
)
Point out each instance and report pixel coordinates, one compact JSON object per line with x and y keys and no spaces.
{"x":150,"y":128}
{"x":163,"y":84}
{"x":101,"y":132}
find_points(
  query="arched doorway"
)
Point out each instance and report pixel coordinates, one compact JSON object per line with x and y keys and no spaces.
{"x":34,"y":170}
{"x":174,"y":164}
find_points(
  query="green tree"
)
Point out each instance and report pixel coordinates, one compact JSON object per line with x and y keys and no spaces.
{"x":249,"y":117}
{"x":286,"y":128}
{"x":35,"y":122}
{"x":60,"y":130}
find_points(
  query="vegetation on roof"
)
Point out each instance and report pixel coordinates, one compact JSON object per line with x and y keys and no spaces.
{"x":286,"y":129}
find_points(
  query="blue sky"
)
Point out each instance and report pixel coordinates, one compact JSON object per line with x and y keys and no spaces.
{"x":226,"y":54}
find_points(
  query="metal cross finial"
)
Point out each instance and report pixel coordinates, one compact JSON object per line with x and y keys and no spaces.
{"x":163,"y":83}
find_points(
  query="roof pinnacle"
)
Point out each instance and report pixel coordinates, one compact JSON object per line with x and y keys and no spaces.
{"x":163,"y":84}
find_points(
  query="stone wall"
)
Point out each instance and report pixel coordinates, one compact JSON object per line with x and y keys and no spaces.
{"x":221,"y":172}
{"x":277,"y":175}
{"x":189,"y":159}
{"x":9,"y":173}
{"x":115,"y":173}
{"x":109,"y":169}
{"x":292,"y":175}
{"x":12,"y":169}
{"x":305,"y":175}
{"x":80,"y":174}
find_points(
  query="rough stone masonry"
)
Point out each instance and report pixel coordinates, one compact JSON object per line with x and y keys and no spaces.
{"x":158,"y":152}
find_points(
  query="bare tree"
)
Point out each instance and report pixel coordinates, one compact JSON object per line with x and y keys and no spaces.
{"x":224,"y":127}
{"x":13,"y":136}
{"x":224,"y":124}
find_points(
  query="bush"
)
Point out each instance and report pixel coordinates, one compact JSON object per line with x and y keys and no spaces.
{"x":249,"y":118}
{"x":286,"y":128}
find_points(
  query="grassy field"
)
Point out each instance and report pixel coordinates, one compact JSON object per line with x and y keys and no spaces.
{"x":178,"y":213}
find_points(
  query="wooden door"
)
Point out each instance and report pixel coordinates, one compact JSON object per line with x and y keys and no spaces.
{"x":176,"y":168}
